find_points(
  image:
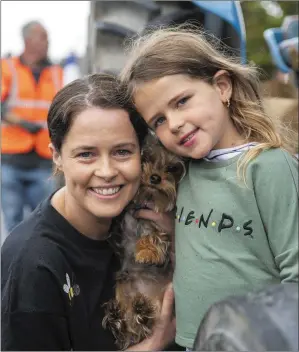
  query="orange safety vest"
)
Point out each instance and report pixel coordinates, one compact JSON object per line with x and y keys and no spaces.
{"x":29,"y":101}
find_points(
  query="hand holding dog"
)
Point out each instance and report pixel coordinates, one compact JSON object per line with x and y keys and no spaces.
{"x":163,"y":220}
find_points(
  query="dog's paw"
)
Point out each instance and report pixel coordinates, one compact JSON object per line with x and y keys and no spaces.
{"x":114,"y":320}
{"x":150,"y":251}
{"x":149,"y":256}
{"x":144,"y":313}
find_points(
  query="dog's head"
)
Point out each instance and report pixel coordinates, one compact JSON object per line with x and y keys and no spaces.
{"x":161,"y":173}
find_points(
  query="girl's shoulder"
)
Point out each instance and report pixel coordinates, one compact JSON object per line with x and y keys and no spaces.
{"x":275,"y":166}
{"x":275,"y":159}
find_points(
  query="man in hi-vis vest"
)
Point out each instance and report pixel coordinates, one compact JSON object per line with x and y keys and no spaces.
{"x":29,"y":83}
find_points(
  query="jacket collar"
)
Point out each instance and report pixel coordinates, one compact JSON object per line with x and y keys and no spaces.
{"x":42,"y":64}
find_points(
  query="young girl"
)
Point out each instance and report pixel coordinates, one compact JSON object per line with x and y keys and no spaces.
{"x":237,"y":207}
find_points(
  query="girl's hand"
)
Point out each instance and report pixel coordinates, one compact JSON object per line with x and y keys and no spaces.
{"x":164,"y":220}
{"x":164,"y":330}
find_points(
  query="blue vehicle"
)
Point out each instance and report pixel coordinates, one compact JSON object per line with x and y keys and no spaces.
{"x":112,"y":22}
{"x":225,"y":20}
{"x":283,"y":45}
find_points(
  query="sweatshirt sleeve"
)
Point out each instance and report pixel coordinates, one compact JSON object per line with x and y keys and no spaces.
{"x":276,"y":189}
{"x":33,"y":314}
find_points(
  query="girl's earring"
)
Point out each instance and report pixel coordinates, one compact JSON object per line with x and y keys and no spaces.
{"x":228,"y":103}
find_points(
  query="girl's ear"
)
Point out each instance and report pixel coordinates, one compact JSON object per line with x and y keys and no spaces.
{"x":223,"y":84}
{"x":56,"y":158}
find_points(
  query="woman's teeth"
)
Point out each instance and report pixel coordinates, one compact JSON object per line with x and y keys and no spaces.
{"x":106,"y":191}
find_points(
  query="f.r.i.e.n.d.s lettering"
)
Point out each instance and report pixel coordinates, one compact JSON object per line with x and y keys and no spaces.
{"x":222,"y":223}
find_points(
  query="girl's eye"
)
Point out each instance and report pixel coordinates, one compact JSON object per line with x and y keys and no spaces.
{"x":159,"y":121}
{"x":123,"y":152}
{"x":182,"y":101}
{"x":85,"y":155}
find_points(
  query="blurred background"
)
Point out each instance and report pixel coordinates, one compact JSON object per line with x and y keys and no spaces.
{"x":89,"y":36}
{"x":68,"y":24}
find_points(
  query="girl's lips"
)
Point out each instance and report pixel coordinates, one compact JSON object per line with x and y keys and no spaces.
{"x":189,"y":140}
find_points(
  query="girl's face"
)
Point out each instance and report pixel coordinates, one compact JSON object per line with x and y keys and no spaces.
{"x":100,"y":159}
{"x":189,"y":116}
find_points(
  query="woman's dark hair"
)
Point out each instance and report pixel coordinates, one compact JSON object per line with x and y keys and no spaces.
{"x":96,"y":90}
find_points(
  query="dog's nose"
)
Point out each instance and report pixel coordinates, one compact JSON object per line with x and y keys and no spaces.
{"x":155,"y":179}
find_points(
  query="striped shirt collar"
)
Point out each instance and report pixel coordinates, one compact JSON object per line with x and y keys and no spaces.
{"x":228,"y":153}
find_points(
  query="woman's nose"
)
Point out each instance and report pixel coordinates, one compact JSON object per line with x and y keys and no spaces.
{"x":106,"y":170}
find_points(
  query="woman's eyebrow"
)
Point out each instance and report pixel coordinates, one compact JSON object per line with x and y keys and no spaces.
{"x":85,"y":147}
{"x":125,"y":144}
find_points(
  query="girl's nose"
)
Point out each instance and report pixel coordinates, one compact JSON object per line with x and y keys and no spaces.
{"x":175,"y":123}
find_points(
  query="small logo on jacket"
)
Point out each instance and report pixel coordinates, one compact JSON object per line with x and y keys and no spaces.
{"x":71,"y":289}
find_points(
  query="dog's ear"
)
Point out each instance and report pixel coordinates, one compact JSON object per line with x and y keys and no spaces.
{"x":150,"y":146}
{"x":180,"y":171}
{"x":177,"y":168}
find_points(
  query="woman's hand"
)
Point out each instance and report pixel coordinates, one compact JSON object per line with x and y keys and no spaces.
{"x":164,"y":330}
{"x":163,"y":220}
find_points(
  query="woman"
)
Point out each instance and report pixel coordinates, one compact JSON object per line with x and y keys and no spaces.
{"x":58,"y":266}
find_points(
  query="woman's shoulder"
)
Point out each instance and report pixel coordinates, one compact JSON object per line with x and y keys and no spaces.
{"x":32,"y":244}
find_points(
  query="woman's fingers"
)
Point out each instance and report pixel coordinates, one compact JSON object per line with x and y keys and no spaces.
{"x":148,"y":215}
{"x":167,"y":304}
{"x":163,"y":220}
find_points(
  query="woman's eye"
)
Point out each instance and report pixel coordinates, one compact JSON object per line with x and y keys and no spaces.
{"x":123,"y":152}
{"x":85,"y":155}
{"x":182,"y":101}
{"x":159,"y":121}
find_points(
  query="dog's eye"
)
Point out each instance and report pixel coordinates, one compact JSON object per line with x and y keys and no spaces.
{"x":172,"y":168}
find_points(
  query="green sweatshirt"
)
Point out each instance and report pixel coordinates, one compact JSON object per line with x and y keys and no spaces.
{"x":230,"y":238}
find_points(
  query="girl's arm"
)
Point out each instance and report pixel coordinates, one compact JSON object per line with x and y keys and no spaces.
{"x":276,"y":189}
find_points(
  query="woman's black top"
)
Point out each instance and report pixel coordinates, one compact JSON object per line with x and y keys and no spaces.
{"x":54,"y":282}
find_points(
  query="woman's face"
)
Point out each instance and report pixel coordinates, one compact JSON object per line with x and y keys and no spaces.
{"x":100,"y":159}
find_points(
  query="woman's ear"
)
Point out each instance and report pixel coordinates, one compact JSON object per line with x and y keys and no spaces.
{"x":56,"y":157}
{"x":223,"y":84}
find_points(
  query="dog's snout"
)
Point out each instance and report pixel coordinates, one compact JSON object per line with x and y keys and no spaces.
{"x":155,"y":179}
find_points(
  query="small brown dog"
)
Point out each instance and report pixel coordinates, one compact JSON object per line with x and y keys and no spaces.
{"x":147,"y":249}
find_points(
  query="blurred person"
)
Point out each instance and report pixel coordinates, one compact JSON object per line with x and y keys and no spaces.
{"x":29,"y":83}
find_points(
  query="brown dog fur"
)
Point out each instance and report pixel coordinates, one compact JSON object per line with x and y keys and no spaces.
{"x":147,"y":250}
